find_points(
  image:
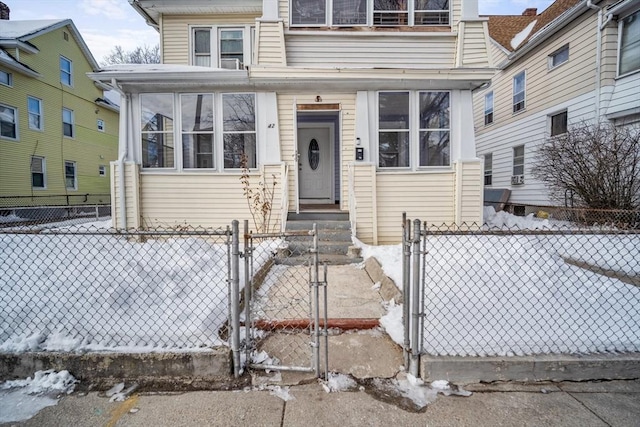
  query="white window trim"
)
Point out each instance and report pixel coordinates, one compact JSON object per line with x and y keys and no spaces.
{"x":487,"y":172}
{"x":369,"y":21}
{"x":524,"y":92}
{"x":100,"y":123}
{"x":9,"y":79}
{"x":550,"y":122}
{"x":214,"y":32}
{"x":70,"y":71}
{"x":414,"y":134}
{"x":620,"y":22}
{"x":73,"y":123}
{"x":218,"y":135}
{"x":44,"y":173}
{"x":492,"y":112}
{"x":16,"y":123}
{"x":75,"y":175}
{"x":513,"y":160}
{"x":554,"y":54}
{"x":102,"y":171}
{"x":40,"y":114}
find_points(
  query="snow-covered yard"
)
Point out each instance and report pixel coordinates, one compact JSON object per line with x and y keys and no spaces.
{"x":485,"y":295}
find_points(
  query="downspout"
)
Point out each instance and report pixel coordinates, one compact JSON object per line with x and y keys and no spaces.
{"x":590,"y":5}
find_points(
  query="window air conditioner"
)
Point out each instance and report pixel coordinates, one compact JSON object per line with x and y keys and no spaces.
{"x":517,"y":179}
{"x":230,"y":63}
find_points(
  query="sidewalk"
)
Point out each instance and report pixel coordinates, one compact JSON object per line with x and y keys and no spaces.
{"x":615,"y":403}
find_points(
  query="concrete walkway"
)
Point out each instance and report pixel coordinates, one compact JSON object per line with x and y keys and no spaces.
{"x":615,"y":403}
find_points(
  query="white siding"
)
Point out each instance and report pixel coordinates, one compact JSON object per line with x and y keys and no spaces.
{"x":364,"y":176}
{"x":626,"y":96}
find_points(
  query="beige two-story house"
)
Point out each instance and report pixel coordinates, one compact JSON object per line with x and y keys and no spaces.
{"x":578,"y":60}
{"x":358,"y":107}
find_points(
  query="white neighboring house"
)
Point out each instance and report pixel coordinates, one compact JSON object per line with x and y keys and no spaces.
{"x":577,"y":60}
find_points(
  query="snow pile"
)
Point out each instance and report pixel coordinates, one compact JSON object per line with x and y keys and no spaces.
{"x":6,"y":219}
{"x":22,"y":399}
{"x":505,"y":220}
{"x":522,"y":35}
{"x":338,"y":382}
{"x":281,"y":392}
{"x":117,"y":393}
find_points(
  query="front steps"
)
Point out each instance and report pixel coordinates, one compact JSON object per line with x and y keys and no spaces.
{"x":334,"y":238}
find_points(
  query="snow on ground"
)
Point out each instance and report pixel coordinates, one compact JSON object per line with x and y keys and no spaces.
{"x":22,"y":399}
{"x":118,"y":296}
{"x":516,"y":295}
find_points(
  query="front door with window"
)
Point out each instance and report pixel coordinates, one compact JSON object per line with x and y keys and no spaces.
{"x":315,"y":165}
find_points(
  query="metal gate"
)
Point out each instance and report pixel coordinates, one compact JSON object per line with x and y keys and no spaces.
{"x":279,"y":302}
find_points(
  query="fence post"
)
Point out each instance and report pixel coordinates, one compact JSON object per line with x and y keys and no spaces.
{"x":235,"y":294}
{"x":406,"y":268}
{"x":248,"y":290}
{"x":414,"y":368}
{"x":316,"y":305}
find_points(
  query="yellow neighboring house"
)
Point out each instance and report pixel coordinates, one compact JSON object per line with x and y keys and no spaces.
{"x":356,"y":109}
{"x":57,"y":132}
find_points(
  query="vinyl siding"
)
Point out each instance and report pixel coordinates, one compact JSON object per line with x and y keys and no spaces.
{"x":626,"y":95}
{"x":347,"y":135}
{"x":429,"y":197}
{"x":469,"y":193}
{"x":89,"y":148}
{"x":270,"y":43}
{"x":175,"y":32}
{"x":132,"y":195}
{"x":474,"y":45}
{"x":545,"y":87}
{"x":364,"y":179}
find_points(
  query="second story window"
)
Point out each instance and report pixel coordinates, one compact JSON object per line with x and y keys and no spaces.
{"x":488,"y":108}
{"x":559,"y":57}
{"x":629,"y":56}
{"x":519,"y":84}
{"x":384,"y":13}
{"x":8,"y":122}
{"x":35,"y":113}
{"x":6,"y":78}
{"x":67,"y":123}
{"x":221,"y":47}
{"x":66,"y":71}
{"x":518,"y":161}
{"x":558,"y":123}
{"x":488,"y":168}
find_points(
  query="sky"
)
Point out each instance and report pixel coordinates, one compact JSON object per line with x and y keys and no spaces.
{"x":107,"y":23}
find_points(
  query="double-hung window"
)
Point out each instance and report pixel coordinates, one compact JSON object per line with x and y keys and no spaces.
{"x":70,"y":176}
{"x":34,"y":105}
{"x":488,"y":169}
{"x":558,"y":123}
{"x":488,"y":108}
{"x":519,"y":85}
{"x":38,"y":172}
{"x":223,"y":47}
{"x":8,"y":122}
{"x":68,"y":123}
{"x":413,"y":125}
{"x":384,"y":13}
{"x":6,"y":78}
{"x":217,"y":131}
{"x":66,"y":71}
{"x":518,"y":160}
{"x":629,"y":55}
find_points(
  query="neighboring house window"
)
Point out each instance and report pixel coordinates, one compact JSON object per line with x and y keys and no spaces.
{"x":488,"y":168}
{"x":239,"y":130}
{"x":157,"y":130}
{"x":197,"y":131}
{"x":100,"y":125}
{"x":629,"y":56}
{"x":34,"y":106}
{"x":558,"y":123}
{"x":102,"y":170}
{"x":8,"y":122}
{"x":67,"y":123}
{"x":38,"y":171}
{"x":70,"y":177}
{"x":398,"y":133}
{"x":559,"y":57}
{"x":66,"y":71}
{"x":6,"y":78}
{"x":228,"y":46}
{"x":518,"y":160}
{"x":519,"y":92}
{"x":314,"y":13}
{"x":488,"y":108}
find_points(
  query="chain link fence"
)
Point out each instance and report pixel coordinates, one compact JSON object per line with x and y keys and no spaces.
{"x":89,"y":289}
{"x":523,"y":288}
{"x":581,"y":217}
{"x":54,"y":210}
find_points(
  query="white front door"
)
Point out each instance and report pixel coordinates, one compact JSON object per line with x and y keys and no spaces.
{"x":315,"y":165}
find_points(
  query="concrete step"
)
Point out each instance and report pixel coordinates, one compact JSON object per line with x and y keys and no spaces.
{"x":318,"y":216}
{"x":295,"y":225}
{"x":329,"y":259}
{"x":324,"y":247}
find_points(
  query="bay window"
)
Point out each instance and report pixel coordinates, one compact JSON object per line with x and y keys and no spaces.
{"x":414,"y":125}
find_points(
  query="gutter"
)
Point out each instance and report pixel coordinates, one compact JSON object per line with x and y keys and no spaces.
{"x":599,"y":28}
{"x":149,"y":20}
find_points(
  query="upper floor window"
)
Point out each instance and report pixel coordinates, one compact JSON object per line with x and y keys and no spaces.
{"x":321,"y":13}
{"x":8,"y":122}
{"x":518,"y":160}
{"x":403,"y":136}
{"x":67,"y":123}
{"x":221,"y":47}
{"x":559,"y":57}
{"x":38,"y":172}
{"x":519,"y":84}
{"x":629,"y":55}
{"x":558,"y":123}
{"x":488,"y":108}
{"x":66,"y":71}
{"x":6,"y":78}
{"x":34,"y":105}
{"x":488,"y":168}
